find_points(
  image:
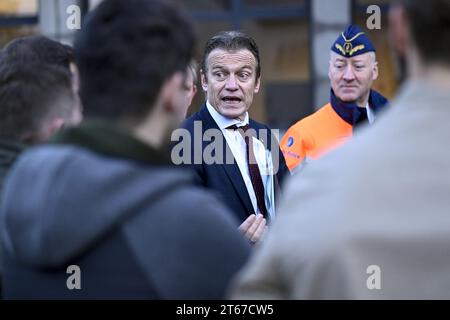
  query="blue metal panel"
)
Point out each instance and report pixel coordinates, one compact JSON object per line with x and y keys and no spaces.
{"x":238,"y":13}
{"x":361,"y":9}
{"x":15,"y":21}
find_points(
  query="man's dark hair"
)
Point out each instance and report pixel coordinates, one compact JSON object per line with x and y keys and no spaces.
{"x":30,"y":94}
{"x":232,"y":41}
{"x":39,"y":49}
{"x":126,"y":51}
{"x":430,"y":27}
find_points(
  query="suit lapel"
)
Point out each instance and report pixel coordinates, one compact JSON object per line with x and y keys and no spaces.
{"x":232,"y":170}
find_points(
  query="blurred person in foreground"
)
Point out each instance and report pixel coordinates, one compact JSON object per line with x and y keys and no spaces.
{"x":100,"y":212}
{"x":41,"y":49}
{"x":31,"y":109}
{"x":34,"y":100}
{"x":329,"y":244}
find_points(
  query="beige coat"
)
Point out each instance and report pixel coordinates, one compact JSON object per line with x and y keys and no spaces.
{"x":369,"y":221}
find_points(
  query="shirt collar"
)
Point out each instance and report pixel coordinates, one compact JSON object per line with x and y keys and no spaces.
{"x":370,"y":113}
{"x":350,"y":112}
{"x":224,"y":122}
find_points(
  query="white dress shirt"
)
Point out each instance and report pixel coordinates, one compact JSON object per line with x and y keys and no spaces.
{"x":238,"y":147}
{"x":370,"y":114}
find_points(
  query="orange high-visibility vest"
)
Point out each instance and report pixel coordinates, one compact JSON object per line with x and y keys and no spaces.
{"x":314,"y":136}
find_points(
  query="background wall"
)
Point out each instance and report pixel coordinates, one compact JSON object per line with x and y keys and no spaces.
{"x":294,"y":37}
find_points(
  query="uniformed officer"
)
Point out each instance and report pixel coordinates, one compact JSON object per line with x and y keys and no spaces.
{"x":352,"y":70}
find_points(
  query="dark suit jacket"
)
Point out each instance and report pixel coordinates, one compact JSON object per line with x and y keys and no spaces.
{"x":223,"y":178}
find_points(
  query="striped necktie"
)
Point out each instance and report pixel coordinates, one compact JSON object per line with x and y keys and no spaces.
{"x":255,"y":174}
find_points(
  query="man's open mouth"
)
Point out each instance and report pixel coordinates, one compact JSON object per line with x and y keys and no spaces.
{"x":231,"y":99}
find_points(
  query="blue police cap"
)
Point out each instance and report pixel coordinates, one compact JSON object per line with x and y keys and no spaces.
{"x":352,"y":42}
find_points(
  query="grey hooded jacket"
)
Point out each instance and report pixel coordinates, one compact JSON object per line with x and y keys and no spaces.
{"x":130,"y":225}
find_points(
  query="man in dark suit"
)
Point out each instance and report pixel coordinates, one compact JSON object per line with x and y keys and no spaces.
{"x":239,"y":158}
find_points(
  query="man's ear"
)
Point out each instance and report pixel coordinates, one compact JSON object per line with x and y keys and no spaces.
{"x":192,"y":94}
{"x":375,"y":71}
{"x":204,"y":80}
{"x":398,"y":29}
{"x":75,"y":77}
{"x":331,"y":64}
{"x":258,"y":83}
{"x":51,"y":128}
{"x":170,"y":91}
